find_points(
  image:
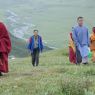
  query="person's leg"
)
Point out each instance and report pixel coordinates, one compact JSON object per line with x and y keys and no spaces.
{"x":33,"y":57}
{"x":37,"y":57}
{"x":78,"y":56}
{"x":85,"y":60}
{"x":74,"y":61}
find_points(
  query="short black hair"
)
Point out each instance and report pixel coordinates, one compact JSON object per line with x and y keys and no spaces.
{"x":35,"y":31}
{"x":80,"y":17}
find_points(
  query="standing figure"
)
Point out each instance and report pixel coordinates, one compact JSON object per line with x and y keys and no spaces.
{"x":72,"y":51}
{"x":92,"y":46}
{"x":35,"y":46}
{"x":82,"y":41}
{"x":5,"y":48}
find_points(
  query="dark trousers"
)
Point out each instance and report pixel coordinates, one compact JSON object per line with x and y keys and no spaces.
{"x":35,"y":57}
{"x":78,"y":56}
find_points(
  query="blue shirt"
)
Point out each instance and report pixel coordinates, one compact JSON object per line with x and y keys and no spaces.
{"x":81,"y":36}
{"x":81,"y":39}
{"x":31,"y":45}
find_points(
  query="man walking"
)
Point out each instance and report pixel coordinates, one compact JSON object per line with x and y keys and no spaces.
{"x":35,"y":46}
{"x":82,"y":41}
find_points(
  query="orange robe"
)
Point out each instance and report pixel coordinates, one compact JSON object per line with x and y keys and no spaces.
{"x":92,"y":46}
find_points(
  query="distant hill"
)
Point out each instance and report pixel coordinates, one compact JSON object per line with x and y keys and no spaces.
{"x":19,"y":47}
{"x":53,"y":18}
{"x":19,"y":33}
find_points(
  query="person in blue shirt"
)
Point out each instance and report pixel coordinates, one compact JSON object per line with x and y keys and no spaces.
{"x":82,"y":41}
{"x":35,"y":46}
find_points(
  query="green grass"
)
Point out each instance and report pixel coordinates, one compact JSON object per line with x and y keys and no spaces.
{"x":54,"y":76}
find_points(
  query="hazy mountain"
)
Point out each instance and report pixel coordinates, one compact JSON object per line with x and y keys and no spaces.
{"x":53,"y":18}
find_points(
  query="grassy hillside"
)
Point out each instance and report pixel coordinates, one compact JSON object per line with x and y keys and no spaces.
{"x":54,"y":76}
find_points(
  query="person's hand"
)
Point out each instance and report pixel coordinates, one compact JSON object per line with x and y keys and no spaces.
{"x":89,"y":49}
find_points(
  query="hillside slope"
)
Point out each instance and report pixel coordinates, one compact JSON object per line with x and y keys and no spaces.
{"x":54,"y":76}
{"x":19,"y":47}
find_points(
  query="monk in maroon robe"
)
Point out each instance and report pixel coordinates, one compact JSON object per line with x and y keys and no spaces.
{"x":5,"y":48}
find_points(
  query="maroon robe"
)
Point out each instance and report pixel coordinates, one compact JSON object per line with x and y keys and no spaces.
{"x":5,"y":48}
{"x":72,"y":55}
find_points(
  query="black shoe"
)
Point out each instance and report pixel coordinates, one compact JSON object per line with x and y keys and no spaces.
{"x":33,"y":64}
{"x":77,"y":63}
{"x":36,"y":65}
{"x":85,"y":63}
{"x":1,"y":74}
